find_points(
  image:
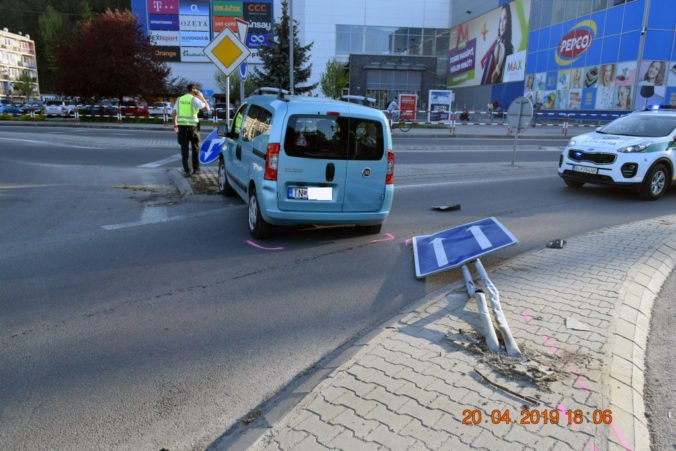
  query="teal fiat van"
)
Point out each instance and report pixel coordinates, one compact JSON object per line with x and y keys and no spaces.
{"x":306,"y":160}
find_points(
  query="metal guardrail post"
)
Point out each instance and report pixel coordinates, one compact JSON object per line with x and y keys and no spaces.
{"x":494,"y":296}
{"x":484,"y":315}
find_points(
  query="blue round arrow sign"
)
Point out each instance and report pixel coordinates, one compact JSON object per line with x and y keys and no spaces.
{"x":211,"y":147}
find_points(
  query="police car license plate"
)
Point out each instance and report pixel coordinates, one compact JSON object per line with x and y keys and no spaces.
{"x":585,"y":169}
{"x":310,"y":193}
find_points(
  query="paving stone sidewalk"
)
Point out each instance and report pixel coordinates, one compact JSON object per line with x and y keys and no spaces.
{"x":580,"y":315}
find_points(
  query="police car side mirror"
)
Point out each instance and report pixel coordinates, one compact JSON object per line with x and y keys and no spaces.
{"x":222,"y":130}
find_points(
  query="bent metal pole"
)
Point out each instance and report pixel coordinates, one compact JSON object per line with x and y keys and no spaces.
{"x":494,"y":296}
{"x":484,"y":315}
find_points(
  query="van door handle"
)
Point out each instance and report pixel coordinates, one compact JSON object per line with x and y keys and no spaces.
{"x":330,"y":172}
{"x":238,"y":151}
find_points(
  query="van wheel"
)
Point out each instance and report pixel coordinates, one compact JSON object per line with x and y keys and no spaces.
{"x":655,"y":183}
{"x":223,"y":184}
{"x":370,"y":229}
{"x":257,"y":225}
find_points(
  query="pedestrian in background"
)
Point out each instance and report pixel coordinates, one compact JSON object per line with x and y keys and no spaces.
{"x":186,"y":124}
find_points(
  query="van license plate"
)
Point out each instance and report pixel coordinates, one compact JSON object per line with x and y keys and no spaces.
{"x":310,"y":193}
{"x":585,"y":169}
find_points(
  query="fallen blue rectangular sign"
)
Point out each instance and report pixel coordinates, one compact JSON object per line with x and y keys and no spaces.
{"x":453,"y":247}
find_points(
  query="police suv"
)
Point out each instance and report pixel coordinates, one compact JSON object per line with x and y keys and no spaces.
{"x":304,"y":160}
{"x":636,"y":151}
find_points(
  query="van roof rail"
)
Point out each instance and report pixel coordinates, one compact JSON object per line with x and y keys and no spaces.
{"x":268,"y":90}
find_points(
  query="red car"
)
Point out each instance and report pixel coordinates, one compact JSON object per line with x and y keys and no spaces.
{"x":134,"y":108}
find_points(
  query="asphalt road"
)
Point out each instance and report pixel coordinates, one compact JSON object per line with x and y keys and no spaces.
{"x":134,"y":319}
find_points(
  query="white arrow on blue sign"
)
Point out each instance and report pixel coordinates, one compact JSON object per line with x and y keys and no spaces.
{"x":453,"y":247}
{"x":211,"y":147}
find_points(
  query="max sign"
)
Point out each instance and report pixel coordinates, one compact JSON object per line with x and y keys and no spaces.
{"x":575,"y":42}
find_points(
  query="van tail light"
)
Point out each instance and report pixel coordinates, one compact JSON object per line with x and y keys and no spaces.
{"x":389,"y":176}
{"x":272,"y":162}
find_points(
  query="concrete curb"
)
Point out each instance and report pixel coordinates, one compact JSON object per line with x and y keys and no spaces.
{"x":623,"y":360}
{"x":180,"y":182}
{"x":624,"y":382}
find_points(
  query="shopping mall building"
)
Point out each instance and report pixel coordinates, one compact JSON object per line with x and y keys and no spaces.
{"x":562,"y":54}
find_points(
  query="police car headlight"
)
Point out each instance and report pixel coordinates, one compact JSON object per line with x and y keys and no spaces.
{"x":572,"y":142}
{"x":633,"y":149}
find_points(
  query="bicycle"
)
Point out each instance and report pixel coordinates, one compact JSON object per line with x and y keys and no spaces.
{"x":403,"y":126}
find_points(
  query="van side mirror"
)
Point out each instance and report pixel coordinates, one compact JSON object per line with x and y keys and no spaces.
{"x":222,"y":130}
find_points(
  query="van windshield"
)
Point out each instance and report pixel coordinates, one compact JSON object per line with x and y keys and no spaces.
{"x":334,"y":138}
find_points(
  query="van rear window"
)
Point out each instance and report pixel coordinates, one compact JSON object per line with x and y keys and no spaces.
{"x":334,"y":138}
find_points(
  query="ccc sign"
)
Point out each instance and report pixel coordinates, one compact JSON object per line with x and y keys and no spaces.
{"x":260,"y":8}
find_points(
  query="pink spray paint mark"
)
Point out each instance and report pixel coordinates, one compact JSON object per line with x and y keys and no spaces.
{"x":258,"y":246}
{"x":551,"y":346}
{"x":592,"y":446}
{"x":581,"y":384}
{"x":526,"y":317}
{"x":408,"y":242}
{"x":621,"y":439}
{"x":389,"y":236}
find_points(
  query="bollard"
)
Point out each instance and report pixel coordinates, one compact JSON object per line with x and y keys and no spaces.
{"x":451,"y":130}
{"x":32,"y":114}
{"x":565,"y":126}
{"x":77,"y":115}
{"x":164,"y":116}
{"x":215,"y":118}
{"x":119,"y":115}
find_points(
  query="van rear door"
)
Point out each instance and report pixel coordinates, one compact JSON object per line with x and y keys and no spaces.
{"x":313,"y":162}
{"x":366,"y":165}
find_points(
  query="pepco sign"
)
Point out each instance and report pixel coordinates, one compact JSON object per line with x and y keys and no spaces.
{"x":575,"y":42}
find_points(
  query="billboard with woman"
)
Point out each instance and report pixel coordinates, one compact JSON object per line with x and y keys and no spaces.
{"x":490,"y":48}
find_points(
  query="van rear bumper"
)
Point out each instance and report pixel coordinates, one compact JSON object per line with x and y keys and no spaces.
{"x":273,"y":215}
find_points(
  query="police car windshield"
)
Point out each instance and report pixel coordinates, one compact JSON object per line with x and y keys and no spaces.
{"x":648,"y":126}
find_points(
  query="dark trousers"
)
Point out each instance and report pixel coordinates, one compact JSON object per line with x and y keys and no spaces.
{"x":189,"y":137}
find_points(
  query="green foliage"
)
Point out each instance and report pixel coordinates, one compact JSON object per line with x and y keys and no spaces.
{"x":249,"y":85}
{"x":275,"y":59}
{"x":25,"y":84}
{"x":334,"y":79}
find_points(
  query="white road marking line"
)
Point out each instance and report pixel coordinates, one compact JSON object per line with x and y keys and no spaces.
{"x":34,"y":141}
{"x":150,"y":217}
{"x":162,"y":162}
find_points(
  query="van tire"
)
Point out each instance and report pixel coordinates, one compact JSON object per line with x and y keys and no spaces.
{"x":370,"y":229}
{"x":257,"y":226}
{"x":223,"y":184}
{"x":656,"y":182}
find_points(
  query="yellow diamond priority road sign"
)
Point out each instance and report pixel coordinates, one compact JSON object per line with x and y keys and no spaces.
{"x":226,"y":51}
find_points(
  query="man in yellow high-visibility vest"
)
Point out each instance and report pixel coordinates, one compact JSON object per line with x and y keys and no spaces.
{"x":186,"y":124}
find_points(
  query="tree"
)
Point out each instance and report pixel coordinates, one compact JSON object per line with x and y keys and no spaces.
{"x":275,"y":58}
{"x":249,"y":85}
{"x":50,"y":26}
{"x":178,"y":86}
{"x":334,"y":79}
{"x":110,"y":57}
{"x":25,"y":84}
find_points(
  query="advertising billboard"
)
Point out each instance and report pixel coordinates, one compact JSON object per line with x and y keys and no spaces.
{"x":182,"y":28}
{"x":490,"y":48}
{"x":591,"y":63}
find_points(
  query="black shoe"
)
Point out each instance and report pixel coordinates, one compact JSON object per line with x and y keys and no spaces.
{"x":196,"y":171}
{"x":186,"y":174}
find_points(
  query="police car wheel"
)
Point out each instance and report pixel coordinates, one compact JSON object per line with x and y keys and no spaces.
{"x":257,"y":225}
{"x":655,"y":183}
{"x":573,"y":183}
{"x":223,"y":184}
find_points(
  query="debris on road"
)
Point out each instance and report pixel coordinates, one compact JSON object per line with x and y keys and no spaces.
{"x":572,"y":323}
{"x":446,"y":207}
{"x":556,"y":244}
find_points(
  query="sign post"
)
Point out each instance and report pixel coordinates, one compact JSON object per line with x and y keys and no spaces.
{"x":519,"y":117}
{"x":453,"y":247}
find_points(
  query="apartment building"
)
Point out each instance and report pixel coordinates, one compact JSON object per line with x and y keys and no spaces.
{"x":17,"y":55}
